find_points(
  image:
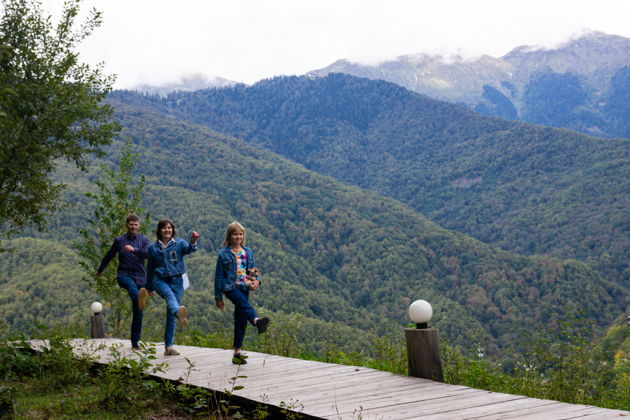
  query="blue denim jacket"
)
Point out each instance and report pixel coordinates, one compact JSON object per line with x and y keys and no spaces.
{"x":167,"y":262}
{"x":225,"y":274}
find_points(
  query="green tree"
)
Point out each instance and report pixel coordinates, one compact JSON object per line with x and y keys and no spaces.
{"x":116,"y":198}
{"x":50,"y":108}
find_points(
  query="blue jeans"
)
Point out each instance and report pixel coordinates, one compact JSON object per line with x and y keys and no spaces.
{"x":172,"y":291}
{"x":130,"y":285}
{"x":243,"y":312}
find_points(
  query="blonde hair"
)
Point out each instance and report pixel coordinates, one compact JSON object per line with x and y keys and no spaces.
{"x":231,"y":228}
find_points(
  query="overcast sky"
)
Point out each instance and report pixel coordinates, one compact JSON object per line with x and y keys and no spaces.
{"x":157,"y":41}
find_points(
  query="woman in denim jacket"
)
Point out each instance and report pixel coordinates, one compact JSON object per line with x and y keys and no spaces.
{"x":235,"y":276}
{"x":164,"y":275}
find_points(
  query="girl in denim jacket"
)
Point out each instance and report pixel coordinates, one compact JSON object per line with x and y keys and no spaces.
{"x":234,"y":277}
{"x":164,"y":275}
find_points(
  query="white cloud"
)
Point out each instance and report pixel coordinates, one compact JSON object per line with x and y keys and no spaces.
{"x":245,"y":40}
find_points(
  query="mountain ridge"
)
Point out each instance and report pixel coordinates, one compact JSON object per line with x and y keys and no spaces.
{"x":501,"y":86}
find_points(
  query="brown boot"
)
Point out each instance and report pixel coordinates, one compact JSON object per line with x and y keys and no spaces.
{"x":142,"y":298}
{"x":182,"y":316}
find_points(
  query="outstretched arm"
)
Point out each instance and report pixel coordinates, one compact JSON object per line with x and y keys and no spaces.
{"x":108,"y":257}
{"x":187,"y":248}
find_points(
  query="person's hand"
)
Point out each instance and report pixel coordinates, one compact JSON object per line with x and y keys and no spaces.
{"x":193,"y":237}
{"x":128,"y":248}
{"x":99,"y":274}
{"x":220,"y":305}
{"x":255,"y":284}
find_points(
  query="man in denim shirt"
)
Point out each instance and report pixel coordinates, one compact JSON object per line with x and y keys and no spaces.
{"x":132,"y":251}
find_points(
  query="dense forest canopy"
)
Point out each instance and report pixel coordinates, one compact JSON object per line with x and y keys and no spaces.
{"x":526,"y":188}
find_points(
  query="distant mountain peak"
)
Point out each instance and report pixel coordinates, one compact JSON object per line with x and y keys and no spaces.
{"x":587,"y":39}
{"x":186,"y":83}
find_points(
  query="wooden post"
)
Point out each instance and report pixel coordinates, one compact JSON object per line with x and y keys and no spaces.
{"x":423,"y":353}
{"x":97,"y":324}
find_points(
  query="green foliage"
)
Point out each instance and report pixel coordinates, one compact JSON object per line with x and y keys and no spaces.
{"x":616,"y":106}
{"x":617,"y":338}
{"x":54,"y":382}
{"x":43,"y":276}
{"x":61,"y":366}
{"x":16,"y":360}
{"x":563,"y":368}
{"x":117,"y":197}
{"x":7,"y":401}
{"x":122,"y":373}
{"x":56,"y":363}
{"x":555,"y":99}
{"x":50,"y":108}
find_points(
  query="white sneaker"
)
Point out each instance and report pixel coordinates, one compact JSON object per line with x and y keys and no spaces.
{"x":170,"y":351}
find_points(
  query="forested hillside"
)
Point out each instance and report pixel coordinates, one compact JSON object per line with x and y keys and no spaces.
{"x":526,"y":188}
{"x":348,"y":261}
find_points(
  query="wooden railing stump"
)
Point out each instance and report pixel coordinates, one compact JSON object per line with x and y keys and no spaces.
{"x":423,"y":353}
{"x":97,"y":326}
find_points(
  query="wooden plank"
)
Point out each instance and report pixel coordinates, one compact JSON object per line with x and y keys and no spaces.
{"x":254,"y":366}
{"x":347,"y":406}
{"x":389,"y":400}
{"x":350,"y":390}
{"x":483,"y":411}
{"x":316,"y":376}
{"x":375,"y":389}
{"x":259,"y":377}
{"x":256,"y":369}
{"x":559,"y":410}
{"x":334,"y":391}
{"x":311,"y":394}
{"x":306,"y":385}
{"x":262,"y":375}
{"x":328,"y":377}
{"x":435,"y":406}
{"x":613,"y":414}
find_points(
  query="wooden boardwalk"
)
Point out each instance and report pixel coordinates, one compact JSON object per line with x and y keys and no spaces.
{"x":324,"y":390}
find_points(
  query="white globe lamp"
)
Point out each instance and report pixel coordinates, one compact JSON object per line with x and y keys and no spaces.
{"x":420,"y":313}
{"x":96,"y":308}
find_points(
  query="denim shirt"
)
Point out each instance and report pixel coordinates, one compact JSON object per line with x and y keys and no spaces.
{"x":225,"y":274}
{"x":167,"y":262}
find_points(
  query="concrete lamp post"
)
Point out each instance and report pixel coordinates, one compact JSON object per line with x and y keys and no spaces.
{"x":423,"y":351}
{"x":97,"y":323}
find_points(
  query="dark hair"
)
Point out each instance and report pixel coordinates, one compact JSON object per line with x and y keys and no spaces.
{"x":132,"y":218}
{"x":161,"y":224}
